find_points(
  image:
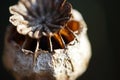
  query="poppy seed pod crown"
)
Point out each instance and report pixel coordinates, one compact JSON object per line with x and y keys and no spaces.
{"x":49,"y":22}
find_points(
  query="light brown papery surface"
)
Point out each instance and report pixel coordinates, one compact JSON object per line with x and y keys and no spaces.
{"x":62,"y":64}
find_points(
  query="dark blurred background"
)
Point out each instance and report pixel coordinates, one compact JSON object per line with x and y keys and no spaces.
{"x":101,"y":17}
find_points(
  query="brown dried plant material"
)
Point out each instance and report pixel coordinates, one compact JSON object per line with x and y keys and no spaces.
{"x":46,"y":40}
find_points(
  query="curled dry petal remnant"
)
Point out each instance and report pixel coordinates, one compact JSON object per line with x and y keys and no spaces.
{"x":46,"y":40}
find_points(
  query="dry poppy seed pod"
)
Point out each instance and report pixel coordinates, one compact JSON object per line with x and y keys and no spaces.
{"x":46,"y":40}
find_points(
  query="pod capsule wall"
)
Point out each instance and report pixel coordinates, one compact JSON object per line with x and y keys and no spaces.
{"x":46,"y":40}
